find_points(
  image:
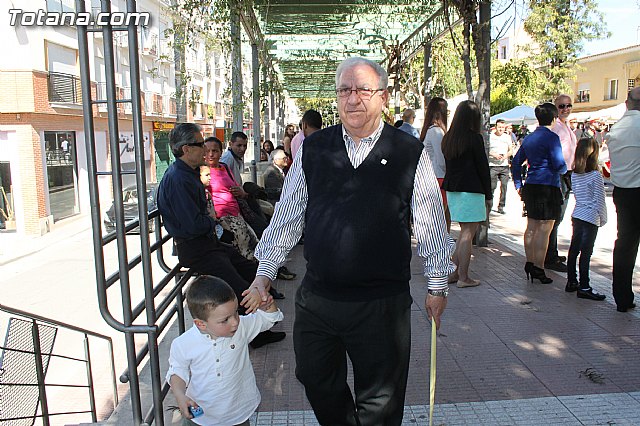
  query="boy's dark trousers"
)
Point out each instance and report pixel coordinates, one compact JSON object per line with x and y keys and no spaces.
{"x":582,"y":241}
{"x":376,"y":335}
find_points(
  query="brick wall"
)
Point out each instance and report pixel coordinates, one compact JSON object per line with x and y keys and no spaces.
{"x":16,"y":91}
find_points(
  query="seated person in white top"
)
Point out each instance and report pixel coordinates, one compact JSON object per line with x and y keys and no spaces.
{"x":209,"y":364}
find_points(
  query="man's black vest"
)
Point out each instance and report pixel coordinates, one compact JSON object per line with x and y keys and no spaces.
{"x":357,"y":234}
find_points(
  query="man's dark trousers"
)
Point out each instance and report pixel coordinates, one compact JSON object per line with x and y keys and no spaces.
{"x":207,"y":256}
{"x":627,"y":202}
{"x":565,"y":189}
{"x":376,"y":335}
{"x":500,"y":173}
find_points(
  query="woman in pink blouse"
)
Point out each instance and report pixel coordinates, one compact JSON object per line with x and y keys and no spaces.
{"x":225,"y":203}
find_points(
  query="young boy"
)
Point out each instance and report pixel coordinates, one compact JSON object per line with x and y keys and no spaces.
{"x":209,"y":364}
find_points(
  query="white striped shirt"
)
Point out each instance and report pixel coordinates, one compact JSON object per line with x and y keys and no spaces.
{"x":588,"y":188}
{"x":435,"y":245}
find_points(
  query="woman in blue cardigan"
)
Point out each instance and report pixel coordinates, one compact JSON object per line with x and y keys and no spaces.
{"x":467,"y":182}
{"x":542,"y":151}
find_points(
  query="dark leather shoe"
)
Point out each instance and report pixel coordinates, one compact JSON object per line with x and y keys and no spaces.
{"x":556,"y":266}
{"x":285,"y":274}
{"x":276,"y":294}
{"x":590,"y":294}
{"x":561,"y":259}
{"x":571,"y":286}
{"x":267,"y":337}
{"x":625,"y":309}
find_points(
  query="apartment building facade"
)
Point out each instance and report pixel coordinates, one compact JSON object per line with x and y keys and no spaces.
{"x":603,"y":80}
{"x":43,"y":165}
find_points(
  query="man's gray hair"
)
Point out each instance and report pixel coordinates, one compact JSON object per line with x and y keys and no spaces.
{"x":183,"y":134}
{"x":278,"y":153}
{"x":355,"y":61}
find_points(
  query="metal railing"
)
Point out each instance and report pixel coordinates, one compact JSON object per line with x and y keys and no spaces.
{"x":163,"y":300}
{"x":64,"y":88}
{"x":24,"y":359}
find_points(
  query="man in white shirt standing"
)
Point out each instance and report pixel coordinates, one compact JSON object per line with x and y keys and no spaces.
{"x":624,"y":151}
{"x":499,"y":152}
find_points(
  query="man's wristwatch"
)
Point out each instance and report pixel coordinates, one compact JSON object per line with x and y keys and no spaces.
{"x":439,"y":293}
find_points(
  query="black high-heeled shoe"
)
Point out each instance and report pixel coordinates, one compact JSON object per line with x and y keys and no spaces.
{"x":527,"y":269}
{"x":538,"y":274}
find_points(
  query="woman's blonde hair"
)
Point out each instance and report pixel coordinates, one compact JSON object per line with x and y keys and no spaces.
{"x":586,"y":159}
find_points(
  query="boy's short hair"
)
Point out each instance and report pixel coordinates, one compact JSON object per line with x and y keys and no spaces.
{"x":207,"y":293}
{"x":545,"y":113}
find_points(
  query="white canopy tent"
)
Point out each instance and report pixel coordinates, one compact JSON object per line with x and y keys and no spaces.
{"x":611,"y":114}
{"x":522,"y":114}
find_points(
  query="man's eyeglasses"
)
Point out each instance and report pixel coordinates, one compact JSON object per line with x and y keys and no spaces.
{"x":364,"y":93}
{"x":199,"y":144}
{"x":563,"y":106}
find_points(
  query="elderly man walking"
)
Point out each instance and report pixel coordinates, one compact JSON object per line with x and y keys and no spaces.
{"x":624,"y":151}
{"x":354,"y":186}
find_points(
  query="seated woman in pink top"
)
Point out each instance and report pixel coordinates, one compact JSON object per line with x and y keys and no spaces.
{"x":224,"y":202}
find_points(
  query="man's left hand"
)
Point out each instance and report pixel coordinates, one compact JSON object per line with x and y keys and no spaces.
{"x":257,"y":294}
{"x":435,"y":307}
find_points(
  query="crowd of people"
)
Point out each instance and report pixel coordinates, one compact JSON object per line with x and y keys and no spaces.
{"x":358,"y":192}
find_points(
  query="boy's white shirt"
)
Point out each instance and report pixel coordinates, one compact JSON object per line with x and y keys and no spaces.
{"x":218,"y":372}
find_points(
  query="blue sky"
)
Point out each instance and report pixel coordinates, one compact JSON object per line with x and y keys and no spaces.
{"x":623,"y":22}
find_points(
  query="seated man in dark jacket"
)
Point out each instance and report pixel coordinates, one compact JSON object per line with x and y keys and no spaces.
{"x":183,"y":206}
{"x":274,"y":176}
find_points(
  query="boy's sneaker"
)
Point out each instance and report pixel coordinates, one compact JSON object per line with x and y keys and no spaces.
{"x":267,"y":337}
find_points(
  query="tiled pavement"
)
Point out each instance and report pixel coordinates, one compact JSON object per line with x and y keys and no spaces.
{"x":509,"y":353}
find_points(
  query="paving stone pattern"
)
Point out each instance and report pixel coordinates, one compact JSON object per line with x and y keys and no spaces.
{"x":509,"y":353}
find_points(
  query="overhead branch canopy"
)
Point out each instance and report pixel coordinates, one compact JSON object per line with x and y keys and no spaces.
{"x":307,"y":39}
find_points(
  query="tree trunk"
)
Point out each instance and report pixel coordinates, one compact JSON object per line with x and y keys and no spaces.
{"x":482,"y":45}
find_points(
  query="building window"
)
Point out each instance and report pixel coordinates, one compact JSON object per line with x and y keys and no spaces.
{"x":60,"y":6}
{"x":612,"y":90}
{"x":631,"y":83}
{"x":7,"y":212}
{"x":583,"y":96}
{"x":60,"y":150}
{"x":503,"y":52}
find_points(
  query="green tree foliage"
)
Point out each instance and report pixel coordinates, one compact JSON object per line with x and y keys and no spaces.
{"x":327,"y":107}
{"x":447,"y":69}
{"x":559,"y":28}
{"x":514,"y":83}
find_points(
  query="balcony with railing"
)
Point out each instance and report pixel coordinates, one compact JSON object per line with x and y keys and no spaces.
{"x":64,"y":88}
